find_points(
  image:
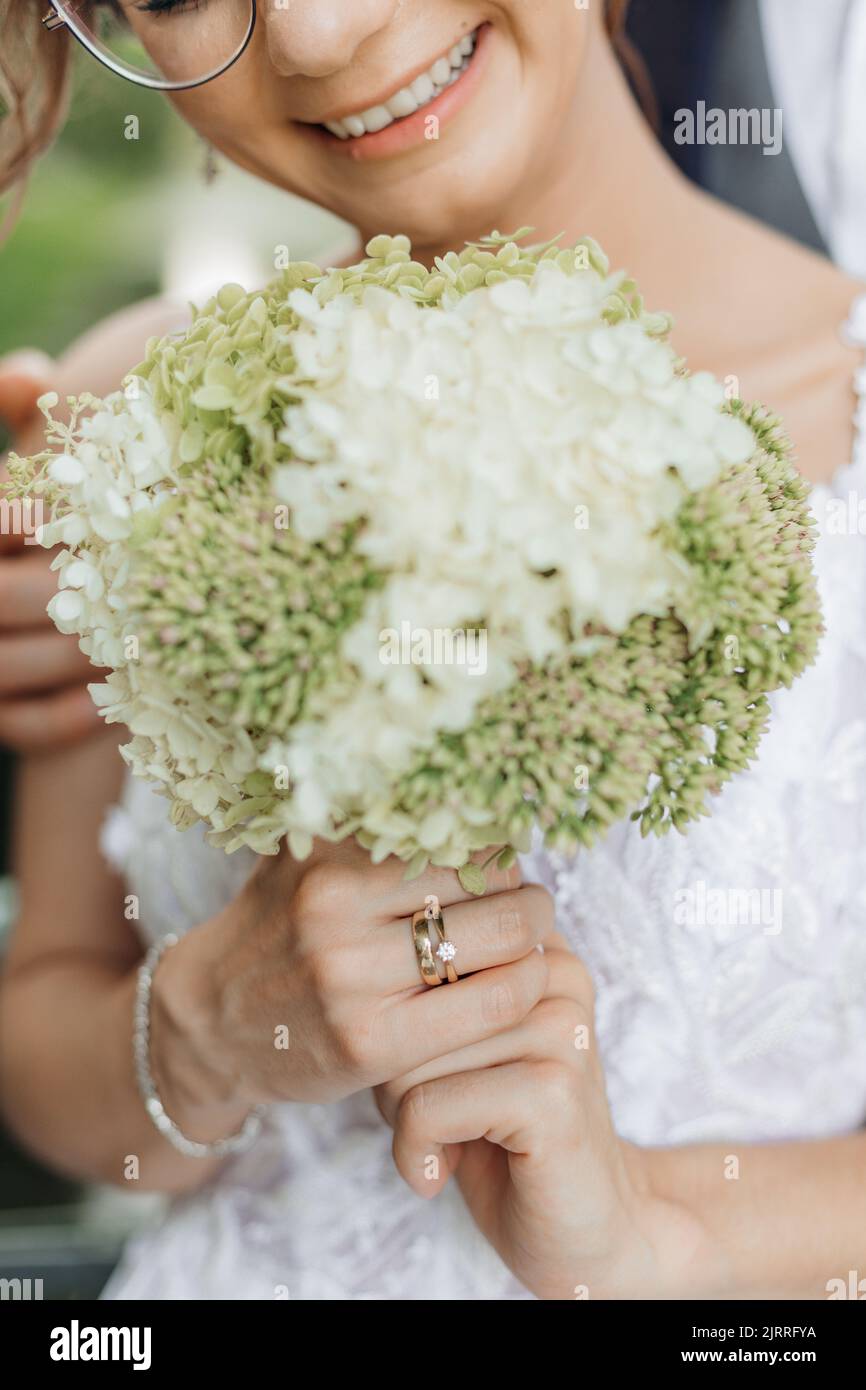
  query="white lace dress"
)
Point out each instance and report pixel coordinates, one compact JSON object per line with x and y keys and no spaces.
{"x":720,"y":1017}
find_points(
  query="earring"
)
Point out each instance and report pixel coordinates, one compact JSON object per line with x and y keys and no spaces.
{"x":210,"y":167}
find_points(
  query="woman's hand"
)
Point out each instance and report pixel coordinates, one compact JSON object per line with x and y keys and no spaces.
{"x":44,"y":702}
{"x":522,"y":1119}
{"x":307,"y":988}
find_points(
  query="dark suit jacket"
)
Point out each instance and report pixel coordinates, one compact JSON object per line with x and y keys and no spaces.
{"x":713,"y":50}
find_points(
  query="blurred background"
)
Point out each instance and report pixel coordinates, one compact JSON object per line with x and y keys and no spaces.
{"x":109,"y":220}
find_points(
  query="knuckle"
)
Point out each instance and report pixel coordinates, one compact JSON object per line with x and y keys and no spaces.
{"x":555,"y":1084}
{"x":542,"y":906}
{"x":354,"y":1047}
{"x":501,"y":1004}
{"x":562,"y":1016}
{"x":510,"y":929}
{"x":328,"y":968}
{"x":325,"y":891}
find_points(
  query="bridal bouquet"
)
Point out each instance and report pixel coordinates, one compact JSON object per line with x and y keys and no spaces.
{"x":429,"y":557}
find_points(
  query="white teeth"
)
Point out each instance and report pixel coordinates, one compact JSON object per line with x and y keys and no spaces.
{"x":376,"y":118}
{"x":403,"y":104}
{"x":423,"y":89}
{"x":444,"y":73}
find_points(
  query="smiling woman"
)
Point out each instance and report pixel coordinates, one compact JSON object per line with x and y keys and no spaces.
{"x":135,"y":40}
{"x":575,"y":1147}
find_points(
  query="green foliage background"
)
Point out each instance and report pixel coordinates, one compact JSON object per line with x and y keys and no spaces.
{"x":89,"y":236}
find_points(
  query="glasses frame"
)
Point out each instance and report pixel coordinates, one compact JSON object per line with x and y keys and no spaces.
{"x":55,"y":19}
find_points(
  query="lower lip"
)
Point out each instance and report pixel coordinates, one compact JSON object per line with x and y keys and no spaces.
{"x":412,"y":130}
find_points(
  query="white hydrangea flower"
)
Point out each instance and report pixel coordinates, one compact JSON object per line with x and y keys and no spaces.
{"x":509,"y":457}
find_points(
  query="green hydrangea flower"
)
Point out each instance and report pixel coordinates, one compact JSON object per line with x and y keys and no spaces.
{"x":232,"y":542}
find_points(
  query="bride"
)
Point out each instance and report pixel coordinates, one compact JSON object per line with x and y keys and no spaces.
{"x":708,"y":1141}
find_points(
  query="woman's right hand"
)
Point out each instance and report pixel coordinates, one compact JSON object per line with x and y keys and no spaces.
{"x":44,"y":702}
{"x":307,"y":987}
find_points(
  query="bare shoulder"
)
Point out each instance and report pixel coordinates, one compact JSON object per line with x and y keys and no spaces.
{"x":100,"y":359}
{"x":781,"y":312}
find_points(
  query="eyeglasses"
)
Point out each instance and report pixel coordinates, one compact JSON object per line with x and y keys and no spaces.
{"x":170,"y":45}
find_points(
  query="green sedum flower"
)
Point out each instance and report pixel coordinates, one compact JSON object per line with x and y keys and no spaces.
{"x":347,"y":451}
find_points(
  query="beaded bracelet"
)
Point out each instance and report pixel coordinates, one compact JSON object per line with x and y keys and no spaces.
{"x":235,"y":1143}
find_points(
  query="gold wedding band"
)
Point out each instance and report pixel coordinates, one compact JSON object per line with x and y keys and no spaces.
{"x":424,"y":950}
{"x":431,"y":916}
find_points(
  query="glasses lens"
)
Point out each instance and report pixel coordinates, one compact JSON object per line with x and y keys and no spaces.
{"x":164,"y":43}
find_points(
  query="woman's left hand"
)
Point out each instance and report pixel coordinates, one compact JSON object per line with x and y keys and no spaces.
{"x":523,"y":1121}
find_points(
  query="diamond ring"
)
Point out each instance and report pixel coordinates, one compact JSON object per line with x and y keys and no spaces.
{"x":446,"y":950}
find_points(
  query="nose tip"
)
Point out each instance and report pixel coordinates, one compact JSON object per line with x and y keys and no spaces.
{"x":316,"y":38}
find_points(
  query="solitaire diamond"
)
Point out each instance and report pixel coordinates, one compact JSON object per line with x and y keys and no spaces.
{"x":447,"y":950}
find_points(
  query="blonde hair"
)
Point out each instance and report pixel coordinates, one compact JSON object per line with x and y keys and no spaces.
{"x":34,"y":69}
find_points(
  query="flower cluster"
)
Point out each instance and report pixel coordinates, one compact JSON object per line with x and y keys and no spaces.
{"x":506,"y":444}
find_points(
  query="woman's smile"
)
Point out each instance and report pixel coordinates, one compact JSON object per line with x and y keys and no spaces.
{"x":425,"y":588}
{"x":413,"y":116}
{"x":414,"y":109}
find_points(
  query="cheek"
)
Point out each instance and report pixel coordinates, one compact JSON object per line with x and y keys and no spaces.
{"x":556,"y":29}
{"x":232,"y":106}
{"x":243,"y":116}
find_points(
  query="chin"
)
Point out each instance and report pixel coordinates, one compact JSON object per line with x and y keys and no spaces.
{"x":439,"y":193}
{"x":440,"y":213}
{"x":446,"y":201}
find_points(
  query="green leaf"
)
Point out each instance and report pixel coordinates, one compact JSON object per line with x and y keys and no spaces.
{"x":473,"y":878}
{"x":507,"y":857}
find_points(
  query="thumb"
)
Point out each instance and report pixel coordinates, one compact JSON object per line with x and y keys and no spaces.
{"x":24,"y":377}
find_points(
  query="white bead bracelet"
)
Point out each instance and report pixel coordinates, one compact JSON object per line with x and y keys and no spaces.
{"x":235,"y":1143}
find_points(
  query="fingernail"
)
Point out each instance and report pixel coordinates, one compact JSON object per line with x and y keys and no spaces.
{"x":28,"y":362}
